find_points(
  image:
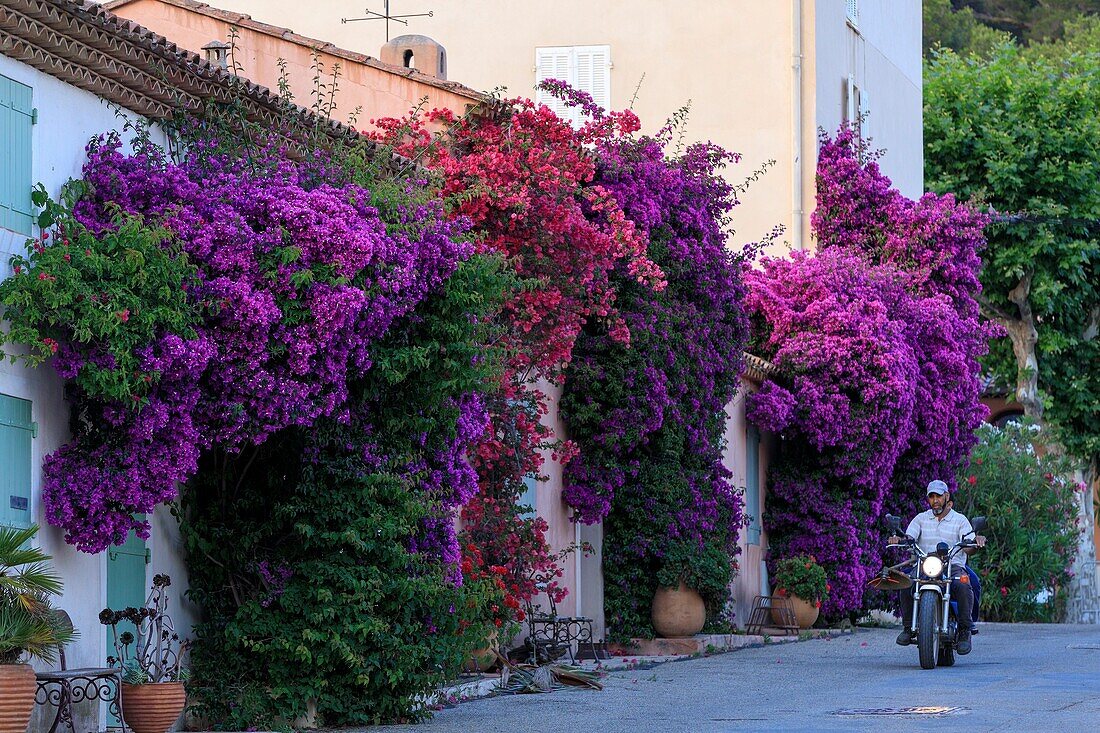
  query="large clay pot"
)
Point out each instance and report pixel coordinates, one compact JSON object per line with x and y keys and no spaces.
{"x":16,"y":697}
{"x":805,"y":613}
{"x":152,"y":708}
{"x":481,"y":659}
{"x":678,"y":612}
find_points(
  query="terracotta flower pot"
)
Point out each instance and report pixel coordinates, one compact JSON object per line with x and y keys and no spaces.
{"x":482,"y":658}
{"x":678,"y":612}
{"x":152,"y":708}
{"x":805,"y":612}
{"x":16,"y":697}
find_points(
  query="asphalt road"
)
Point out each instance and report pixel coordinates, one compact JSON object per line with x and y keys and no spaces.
{"x":1018,"y":678}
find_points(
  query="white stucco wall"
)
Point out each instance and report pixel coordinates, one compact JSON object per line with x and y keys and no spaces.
{"x":67,"y":118}
{"x":882,"y":52}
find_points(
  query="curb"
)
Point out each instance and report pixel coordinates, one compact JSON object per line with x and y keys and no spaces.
{"x":486,"y":685}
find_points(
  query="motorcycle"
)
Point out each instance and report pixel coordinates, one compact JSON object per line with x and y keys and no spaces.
{"x":934,"y":613}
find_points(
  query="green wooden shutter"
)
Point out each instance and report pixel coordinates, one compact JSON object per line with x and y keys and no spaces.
{"x":752,"y":484}
{"x":16,"y":432}
{"x":16,"y":119}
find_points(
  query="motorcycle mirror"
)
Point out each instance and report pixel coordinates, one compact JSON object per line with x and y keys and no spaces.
{"x":979,"y":524}
{"x":893,"y":521}
{"x":942,"y":549}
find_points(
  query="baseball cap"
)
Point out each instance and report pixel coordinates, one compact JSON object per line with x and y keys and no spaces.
{"x":937,"y":487}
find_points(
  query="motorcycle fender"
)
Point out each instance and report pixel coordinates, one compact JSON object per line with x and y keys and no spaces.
{"x":930,"y":586}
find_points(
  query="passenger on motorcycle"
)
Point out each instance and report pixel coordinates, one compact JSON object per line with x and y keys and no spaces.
{"x":941,"y":523}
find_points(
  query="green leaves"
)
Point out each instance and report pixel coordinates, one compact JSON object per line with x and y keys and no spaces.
{"x":1030,"y":503}
{"x":104,"y":296}
{"x":1019,"y":130}
{"x":27,"y":623}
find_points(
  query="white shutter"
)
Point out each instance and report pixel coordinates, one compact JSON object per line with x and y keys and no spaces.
{"x":594,"y":73}
{"x":853,"y":11}
{"x":850,"y":100}
{"x":554,"y":63}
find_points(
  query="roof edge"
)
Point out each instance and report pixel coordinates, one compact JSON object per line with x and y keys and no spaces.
{"x":286,"y":34}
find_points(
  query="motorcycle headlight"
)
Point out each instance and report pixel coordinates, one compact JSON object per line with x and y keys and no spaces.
{"x":931,"y":566}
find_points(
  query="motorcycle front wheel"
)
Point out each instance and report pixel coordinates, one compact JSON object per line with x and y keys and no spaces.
{"x":928,"y":637}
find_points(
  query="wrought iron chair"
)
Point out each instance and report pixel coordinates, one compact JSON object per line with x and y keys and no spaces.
{"x":66,"y":687}
{"x":550,"y":635}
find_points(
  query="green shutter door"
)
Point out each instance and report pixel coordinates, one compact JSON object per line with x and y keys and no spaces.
{"x":752,"y":484}
{"x":125,"y":589}
{"x":16,"y":119}
{"x":16,"y":432}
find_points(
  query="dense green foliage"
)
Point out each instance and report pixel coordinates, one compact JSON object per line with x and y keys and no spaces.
{"x":958,"y":30}
{"x":107,"y":294}
{"x":26,"y":583}
{"x":969,"y":25}
{"x":1032,"y":512}
{"x":1021,"y":131}
{"x":801,"y":576}
{"x":310,"y":594}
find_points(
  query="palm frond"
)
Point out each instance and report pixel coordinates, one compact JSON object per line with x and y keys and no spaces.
{"x":39,"y":578}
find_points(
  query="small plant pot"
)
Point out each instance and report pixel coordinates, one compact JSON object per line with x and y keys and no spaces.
{"x":152,"y":708}
{"x":17,"y":688}
{"x":805,"y":613}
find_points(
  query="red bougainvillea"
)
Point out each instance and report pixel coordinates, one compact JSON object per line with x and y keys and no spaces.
{"x":524,"y":178}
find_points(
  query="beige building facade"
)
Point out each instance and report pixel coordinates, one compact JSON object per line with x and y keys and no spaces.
{"x":762,"y":78}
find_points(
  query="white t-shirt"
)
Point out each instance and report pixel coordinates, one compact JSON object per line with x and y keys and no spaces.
{"x":929,"y":531}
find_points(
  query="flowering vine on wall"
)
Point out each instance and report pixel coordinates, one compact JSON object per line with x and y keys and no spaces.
{"x":648,"y":415}
{"x":877,"y":336}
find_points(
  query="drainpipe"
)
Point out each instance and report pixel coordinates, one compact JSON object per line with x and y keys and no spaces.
{"x":577,"y":563}
{"x":796,"y":122}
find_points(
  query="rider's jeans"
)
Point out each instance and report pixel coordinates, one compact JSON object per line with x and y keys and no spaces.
{"x":961,"y":592}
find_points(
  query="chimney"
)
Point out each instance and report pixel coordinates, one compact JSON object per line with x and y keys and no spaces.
{"x":417,"y":52}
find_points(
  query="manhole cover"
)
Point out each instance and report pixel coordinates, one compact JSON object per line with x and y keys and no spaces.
{"x":924,"y":710}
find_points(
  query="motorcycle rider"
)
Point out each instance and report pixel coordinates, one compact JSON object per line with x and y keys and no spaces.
{"x":941,"y":523}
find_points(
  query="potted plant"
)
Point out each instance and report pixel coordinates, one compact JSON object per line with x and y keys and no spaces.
{"x":804,"y":585}
{"x":691,"y":581}
{"x":27,"y":624}
{"x":153,"y":694}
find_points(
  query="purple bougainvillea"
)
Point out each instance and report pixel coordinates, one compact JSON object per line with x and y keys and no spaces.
{"x":877,"y":337}
{"x":298,"y":277}
{"x":648,"y":416}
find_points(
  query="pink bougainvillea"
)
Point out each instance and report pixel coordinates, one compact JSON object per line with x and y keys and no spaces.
{"x":877,"y":338}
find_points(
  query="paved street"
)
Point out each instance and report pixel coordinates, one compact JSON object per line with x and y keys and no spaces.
{"x":1019,"y":678}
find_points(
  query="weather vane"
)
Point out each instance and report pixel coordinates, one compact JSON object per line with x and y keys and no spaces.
{"x":371,"y":15}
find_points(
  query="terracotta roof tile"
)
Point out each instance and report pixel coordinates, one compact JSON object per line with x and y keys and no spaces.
{"x":83,"y":44}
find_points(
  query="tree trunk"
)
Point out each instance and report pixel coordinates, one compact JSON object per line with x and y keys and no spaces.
{"x":1024,"y":338}
{"x":1083,"y":605}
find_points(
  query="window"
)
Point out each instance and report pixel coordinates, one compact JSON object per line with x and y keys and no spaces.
{"x":585,"y":68}
{"x":752,"y":485}
{"x":853,"y":12}
{"x":526,"y":501}
{"x":16,"y":118}
{"x":857,"y":107}
{"x":16,"y":432}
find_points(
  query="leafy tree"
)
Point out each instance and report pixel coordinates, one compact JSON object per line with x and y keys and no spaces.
{"x":957,"y":30}
{"x":1020,"y":131}
{"x":1032,"y":509}
{"x":989,"y":133}
{"x":1028,"y":21}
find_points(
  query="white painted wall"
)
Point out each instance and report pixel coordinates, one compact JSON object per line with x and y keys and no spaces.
{"x":67,"y":118}
{"x":883,"y":54}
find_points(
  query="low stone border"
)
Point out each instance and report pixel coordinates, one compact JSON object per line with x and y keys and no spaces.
{"x":700,"y":645}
